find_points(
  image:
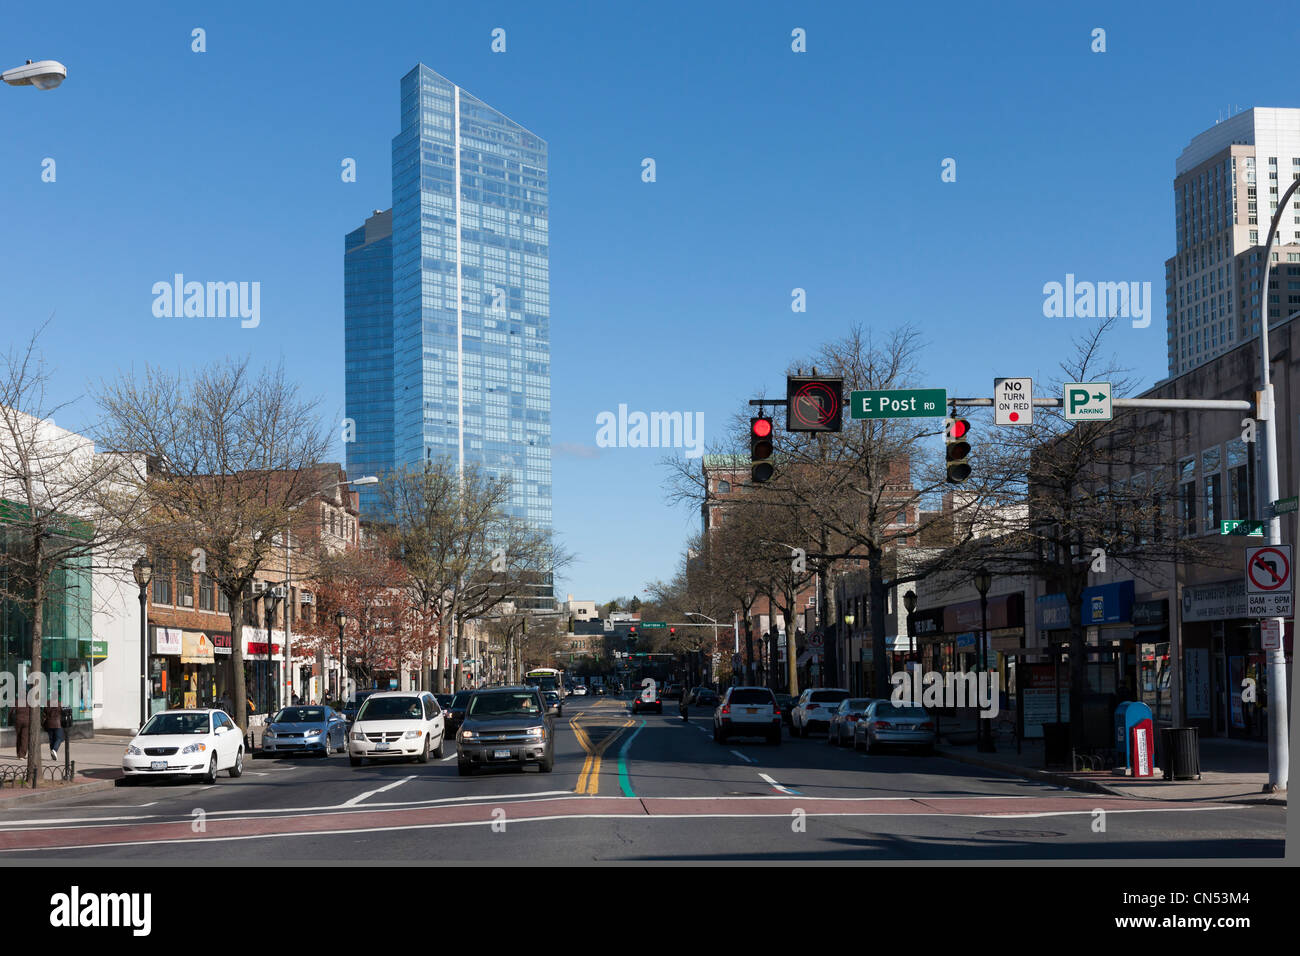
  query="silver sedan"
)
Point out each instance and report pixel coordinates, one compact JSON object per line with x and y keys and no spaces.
{"x":886,"y":724}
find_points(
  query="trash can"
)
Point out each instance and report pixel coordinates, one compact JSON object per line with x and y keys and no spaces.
{"x":1056,"y":745}
{"x":1182,"y":749}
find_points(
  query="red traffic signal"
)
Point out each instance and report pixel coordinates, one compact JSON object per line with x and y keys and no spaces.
{"x":760,"y":449}
{"x":955,"y":432}
{"x":672,"y":631}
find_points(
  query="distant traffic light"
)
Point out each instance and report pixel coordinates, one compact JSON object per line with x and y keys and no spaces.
{"x":672,"y":631}
{"x":955,"y":435}
{"x":813,"y":403}
{"x":760,"y":449}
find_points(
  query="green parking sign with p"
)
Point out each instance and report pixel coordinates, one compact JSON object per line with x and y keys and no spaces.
{"x":1087,"y":402}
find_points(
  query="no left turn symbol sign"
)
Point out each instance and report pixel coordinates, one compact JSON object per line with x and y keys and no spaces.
{"x":1268,"y":569}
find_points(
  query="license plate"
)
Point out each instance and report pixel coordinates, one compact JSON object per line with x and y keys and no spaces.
{"x":501,"y":754}
{"x":751,"y":710}
{"x":381,"y":746}
{"x":158,"y":765}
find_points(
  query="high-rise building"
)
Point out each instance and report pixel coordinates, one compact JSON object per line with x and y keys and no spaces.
{"x":1227,"y":185}
{"x":463,"y":372}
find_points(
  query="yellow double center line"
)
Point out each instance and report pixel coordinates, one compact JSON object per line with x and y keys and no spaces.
{"x":589,"y":778}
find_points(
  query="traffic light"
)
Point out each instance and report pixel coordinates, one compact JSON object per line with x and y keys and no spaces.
{"x":955,"y":434}
{"x":672,"y":631}
{"x":760,"y":449}
{"x":813,"y":403}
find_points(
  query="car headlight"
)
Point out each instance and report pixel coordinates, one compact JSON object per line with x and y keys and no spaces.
{"x":133,"y":751}
{"x":536,"y":731}
{"x":358,"y":735}
{"x":196,"y":748}
{"x":314,"y":733}
{"x":268,"y":733}
{"x":468,"y":735}
{"x":413,"y":734}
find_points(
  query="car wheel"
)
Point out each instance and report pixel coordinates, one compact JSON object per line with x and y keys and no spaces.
{"x":424,"y":754}
{"x":325,"y":751}
{"x":441,"y":750}
{"x":465,"y":768}
{"x":238,"y":769}
{"x":211,"y":776}
{"x":354,"y":761}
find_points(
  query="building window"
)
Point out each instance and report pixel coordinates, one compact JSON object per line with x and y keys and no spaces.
{"x":162,"y":581}
{"x":205,"y":592}
{"x":1187,"y":496}
{"x":184,"y":586}
{"x":1241,"y":480}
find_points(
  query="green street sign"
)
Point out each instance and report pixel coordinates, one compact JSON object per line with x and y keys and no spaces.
{"x":648,"y":624}
{"x":1246,"y":526}
{"x":900,"y":403}
{"x":1285,"y":506}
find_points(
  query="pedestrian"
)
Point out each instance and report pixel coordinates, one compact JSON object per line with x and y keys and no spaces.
{"x":227,"y":704}
{"x":53,"y":723}
{"x":23,"y":722}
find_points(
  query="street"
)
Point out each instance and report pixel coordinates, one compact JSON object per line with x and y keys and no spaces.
{"x":626,"y":788}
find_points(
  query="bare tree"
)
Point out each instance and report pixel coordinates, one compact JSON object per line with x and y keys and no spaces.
{"x":65,"y":512}
{"x":230,"y":453}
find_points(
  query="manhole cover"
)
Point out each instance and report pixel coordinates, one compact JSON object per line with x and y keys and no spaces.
{"x":1020,"y":834}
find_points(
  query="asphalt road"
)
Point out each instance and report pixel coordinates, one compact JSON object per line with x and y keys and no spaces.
{"x":631,"y":788}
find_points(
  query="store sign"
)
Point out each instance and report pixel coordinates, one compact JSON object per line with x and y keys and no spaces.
{"x":222,"y":644}
{"x":98,"y":650}
{"x":167,"y":641}
{"x":1102,"y":604}
{"x":1151,"y":613}
{"x":1214,"y":602}
{"x":196,"y":648}
{"x":1005,"y":610}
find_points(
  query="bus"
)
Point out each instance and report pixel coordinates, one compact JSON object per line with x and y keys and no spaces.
{"x":546,"y":678}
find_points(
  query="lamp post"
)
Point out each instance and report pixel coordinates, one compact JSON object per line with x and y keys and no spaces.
{"x":848,"y":651}
{"x":269,"y":601}
{"x":143,"y":571}
{"x":43,"y":74}
{"x":909,"y":603}
{"x":341,"y":619}
{"x":983,"y":581}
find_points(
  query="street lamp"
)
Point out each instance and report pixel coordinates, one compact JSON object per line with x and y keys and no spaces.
{"x":143,"y":571}
{"x":43,"y":74}
{"x":270,"y":599}
{"x":341,"y":619}
{"x":984,"y":735}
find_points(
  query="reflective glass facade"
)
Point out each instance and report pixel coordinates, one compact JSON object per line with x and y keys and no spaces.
{"x":470,"y":299}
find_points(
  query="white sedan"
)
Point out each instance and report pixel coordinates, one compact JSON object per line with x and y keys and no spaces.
{"x":191,"y":743}
{"x":580,"y":691}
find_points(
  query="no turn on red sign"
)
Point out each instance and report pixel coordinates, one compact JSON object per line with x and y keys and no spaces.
{"x":1013,"y":401}
{"x":1269,"y":584}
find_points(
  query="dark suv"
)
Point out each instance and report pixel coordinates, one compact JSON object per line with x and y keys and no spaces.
{"x":506,"y":726}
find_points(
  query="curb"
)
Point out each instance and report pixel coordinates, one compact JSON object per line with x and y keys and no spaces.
{"x":43,"y":796}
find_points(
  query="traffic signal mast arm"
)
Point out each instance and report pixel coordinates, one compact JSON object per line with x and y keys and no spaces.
{"x":1227,"y":405}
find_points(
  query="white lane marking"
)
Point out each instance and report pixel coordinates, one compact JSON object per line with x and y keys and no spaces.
{"x":370,"y":793}
{"x":743,"y":757}
{"x":449,"y":757}
{"x":605,"y":816}
{"x":778,"y":787}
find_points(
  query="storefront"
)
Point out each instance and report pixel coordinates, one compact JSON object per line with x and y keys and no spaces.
{"x":1151,"y":645}
{"x":1108,"y":634}
{"x":1221,"y":650}
{"x":261,"y":675}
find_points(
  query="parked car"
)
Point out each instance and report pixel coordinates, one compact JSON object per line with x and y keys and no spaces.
{"x":185,"y":743}
{"x":886,"y":724}
{"x":401,"y":724}
{"x":579,"y":690}
{"x":553,"y":702}
{"x":704,"y":697}
{"x":456,"y":712}
{"x":844,"y":721}
{"x":786,"y":703}
{"x":814,"y":708}
{"x":506,"y":726}
{"x":306,"y":729}
{"x":673,"y":692}
{"x":747,"y":712}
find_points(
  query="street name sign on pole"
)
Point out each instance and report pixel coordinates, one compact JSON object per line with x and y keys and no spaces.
{"x":650,"y":624}
{"x":1269,"y":590}
{"x":899,"y":403}
{"x":1087,"y":402}
{"x":1013,"y":401}
{"x":1246,"y":526}
{"x":1286,"y":506}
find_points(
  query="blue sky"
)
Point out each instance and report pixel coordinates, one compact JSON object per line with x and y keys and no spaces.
{"x":775,"y":170}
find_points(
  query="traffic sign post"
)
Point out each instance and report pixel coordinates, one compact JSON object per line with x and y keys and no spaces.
{"x":1269,"y":590}
{"x":900,"y":403}
{"x":1013,"y":401}
{"x":1087,"y":402}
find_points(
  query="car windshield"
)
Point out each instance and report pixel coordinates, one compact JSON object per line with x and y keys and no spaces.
{"x":461,"y":699}
{"x":520,"y":703}
{"x":887,"y":709}
{"x":752,"y":695}
{"x":300,"y":715}
{"x":161,"y":724}
{"x":860,"y":704}
{"x":391,"y":708}
{"x":828,"y":696}
{"x":444,"y":700}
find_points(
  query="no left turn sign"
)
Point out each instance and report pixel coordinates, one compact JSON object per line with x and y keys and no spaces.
{"x":1268,"y":569}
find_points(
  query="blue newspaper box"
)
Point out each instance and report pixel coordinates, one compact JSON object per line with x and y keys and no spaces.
{"x":1128,"y":715}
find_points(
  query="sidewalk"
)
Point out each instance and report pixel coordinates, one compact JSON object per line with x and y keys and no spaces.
{"x":1232,"y":771}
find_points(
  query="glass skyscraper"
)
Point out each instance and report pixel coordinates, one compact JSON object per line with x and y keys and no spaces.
{"x":463,"y":372}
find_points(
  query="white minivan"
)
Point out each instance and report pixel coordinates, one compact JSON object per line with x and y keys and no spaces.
{"x":397,"y":724}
